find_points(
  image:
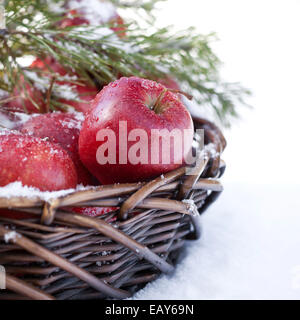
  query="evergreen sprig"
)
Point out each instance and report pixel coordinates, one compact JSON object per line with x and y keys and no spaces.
{"x":97,"y":53}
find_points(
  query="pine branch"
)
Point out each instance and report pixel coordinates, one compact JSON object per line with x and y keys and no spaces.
{"x":95,"y":53}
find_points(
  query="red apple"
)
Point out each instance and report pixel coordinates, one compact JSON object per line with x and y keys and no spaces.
{"x":64,"y":129}
{"x":140,"y":104}
{"x":93,"y":211}
{"x":27,"y":98}
{"x":35,"y":162}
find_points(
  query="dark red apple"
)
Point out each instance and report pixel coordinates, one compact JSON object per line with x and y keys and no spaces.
{"x":140,"y":104}
{"x":64,"y":129}
{"x":35,"y":162}
{"x":17,"y":215}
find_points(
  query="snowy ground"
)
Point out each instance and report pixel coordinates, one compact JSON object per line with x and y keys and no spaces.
{"x":249,"y":249}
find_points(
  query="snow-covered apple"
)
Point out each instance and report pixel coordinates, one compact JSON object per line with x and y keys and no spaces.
{"x":28,"y":98}
{"x":135,"y":130}
{"x":64,"y":129}
{"x":35,"y":162}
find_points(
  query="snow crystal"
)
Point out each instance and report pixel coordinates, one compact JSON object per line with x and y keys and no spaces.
{"x":95,"y":11}
{"x":41,"y":83}
{"x":65,"y":91}
{"x":11,"y":236}
{"x":78,"y":115}
{"x":56,"y":7}
{"x":70,"y":124}
{"x":211,"y":149}
{"x":5,"y":122}
{"x":24,"y":117}
{"x":6,"y":132}
{"x":191,"y":207}
{"x":54,"y":151}
{"x":149,"y":84}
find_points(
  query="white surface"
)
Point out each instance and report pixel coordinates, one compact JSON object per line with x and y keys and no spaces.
{"x":251,"y":241}
{"x":249,"y":249}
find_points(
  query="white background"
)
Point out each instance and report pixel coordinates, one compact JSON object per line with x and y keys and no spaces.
{"x":251,"y":241}
{"x":259,"y":43}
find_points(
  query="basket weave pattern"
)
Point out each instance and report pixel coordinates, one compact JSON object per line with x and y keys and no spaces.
{"x":62,"y":255}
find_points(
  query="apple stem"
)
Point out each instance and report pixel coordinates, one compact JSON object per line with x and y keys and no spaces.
{"x":156,"y":105}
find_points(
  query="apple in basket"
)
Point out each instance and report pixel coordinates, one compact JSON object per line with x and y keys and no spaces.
{"x":63,"y":129}
{"x":35,"y":162}
{"x":136,"y":129}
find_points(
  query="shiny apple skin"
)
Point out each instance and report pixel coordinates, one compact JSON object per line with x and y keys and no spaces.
{"x":128,"y":99}
{"x":35,"y":163}
{"x":63,"y":129}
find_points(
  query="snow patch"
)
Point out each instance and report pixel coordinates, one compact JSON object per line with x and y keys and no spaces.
{"x":13,"y":235}
{"x":41,"y":83}
{"x":16,"y":189}
{"x":191,"y":207}
{"x":211,"y":149}
{"x":95,"y":11}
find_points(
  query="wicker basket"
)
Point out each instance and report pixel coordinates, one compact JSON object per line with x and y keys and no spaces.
{"x":60,"y":255}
